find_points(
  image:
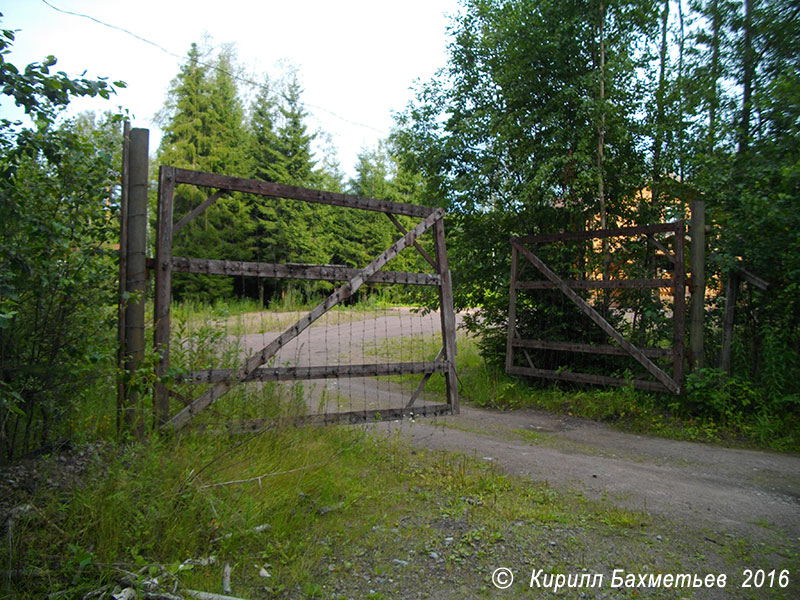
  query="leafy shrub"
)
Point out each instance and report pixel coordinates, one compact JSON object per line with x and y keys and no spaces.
{"x":57,"y":268}
{"x":711,"y":392}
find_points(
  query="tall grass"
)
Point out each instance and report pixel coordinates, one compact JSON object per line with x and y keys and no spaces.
{"x":293,"y":509}
{"x":166,"y":501}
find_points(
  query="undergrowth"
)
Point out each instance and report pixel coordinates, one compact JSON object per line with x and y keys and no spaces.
{"x":307,"y":513}
{"x":333,"y":512}
{"x":322,"y":512}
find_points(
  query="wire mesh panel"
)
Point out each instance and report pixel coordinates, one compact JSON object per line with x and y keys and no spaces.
{"x":325,"y":364}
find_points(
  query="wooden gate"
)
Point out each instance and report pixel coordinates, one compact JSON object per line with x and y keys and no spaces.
{"x":623,"y":347}
{"x":252,"y":369}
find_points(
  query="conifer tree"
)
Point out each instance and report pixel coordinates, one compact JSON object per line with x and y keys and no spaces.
{"x":285,"y":230}
{"x":268,"y":161}
{"x":293,"y":137}
{"x":203,"y":129}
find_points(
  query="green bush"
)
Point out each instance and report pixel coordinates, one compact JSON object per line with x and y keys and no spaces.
{"x":57,"y":268}
{"x":711,"y":392}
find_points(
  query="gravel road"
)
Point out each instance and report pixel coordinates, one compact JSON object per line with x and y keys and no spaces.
{"x":741,"y":491}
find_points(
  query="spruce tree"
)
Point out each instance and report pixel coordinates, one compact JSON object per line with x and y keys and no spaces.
{"x":285,"y":230}
{"x":269,"y":163}
{"x":294,"y":141}
{"x":203,"y":129}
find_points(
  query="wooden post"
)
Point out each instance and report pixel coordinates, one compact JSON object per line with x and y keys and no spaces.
{"x":679,"y":305}
{"x":731,"y":291}
{"x":123,"y":274}
{"x":447,"y":314}
{"x":512,"y":308}
{"x":698,"y":262}
{"x":136,"y":276}
{"x":163,"y":291}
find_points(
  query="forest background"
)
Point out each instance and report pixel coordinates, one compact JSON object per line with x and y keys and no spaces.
{"x":548,"y":116}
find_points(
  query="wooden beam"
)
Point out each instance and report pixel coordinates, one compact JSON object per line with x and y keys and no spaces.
{"x":752,"y":279}
{"x":697,"y":251}
{"x":320,"y":372}
{"x":295,"y":271}
{"x":679,"y":306}
{"x":136,"y":272}
{"x":525,"y":352}
{"x":356,"y":417}
{"x":592,"y":284}
{"x":197,"y":211}
{"x":652,"y":386}
{"x":344,"y":291}
{"x":731,"y":292}
{"x":670,"y":256}
{"x":512,"y":309}
{"x":447,"y":314}
{"x":589,"y":348}
{"x":596,"y":234}
{"x":421,"y":385}
{"x":590,"y":312}
{"x":419,"y":248}
{"x":277,"y":190}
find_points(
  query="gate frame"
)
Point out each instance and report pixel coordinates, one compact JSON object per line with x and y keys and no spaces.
{"x":677,"y":283}
{"x":252,"y":369}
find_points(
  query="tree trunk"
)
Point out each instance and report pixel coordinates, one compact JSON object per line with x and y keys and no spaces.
{"x":652,"y":213}
{"x":680,"y":90}
{"x":716,"y":25}
{"x":749,"y":61}
{"x":658,"y":142}
{"x":600,"y":148}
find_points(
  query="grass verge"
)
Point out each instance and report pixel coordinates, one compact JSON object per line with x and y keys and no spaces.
{"x":331,"y":513}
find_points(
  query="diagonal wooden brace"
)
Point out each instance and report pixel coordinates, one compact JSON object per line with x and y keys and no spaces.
{"x":590,"y":312}
{"x":419,"y":248}
{"x":343,"y":292}
{"x":423,"y":382}
{"x":197,"y":211}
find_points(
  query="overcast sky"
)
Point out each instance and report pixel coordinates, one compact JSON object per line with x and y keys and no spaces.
{"x":357,"y":59}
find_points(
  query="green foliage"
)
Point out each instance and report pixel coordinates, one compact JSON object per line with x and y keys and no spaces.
{"x":516,"y":136}
{"x":769,"y":418}
{"x":507,"y":138}
{"x":204,"y":129}
{"x":38,"y":92}
{"x":716,"y":408}
{"x":58,"y":183}
{"x":712,"y":393}
{"x":315,"y":508}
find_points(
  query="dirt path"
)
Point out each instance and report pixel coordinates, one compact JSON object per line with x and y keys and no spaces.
{"x":739,"y":491}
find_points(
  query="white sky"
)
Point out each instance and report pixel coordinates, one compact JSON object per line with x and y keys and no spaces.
{"x":357,"y":59}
